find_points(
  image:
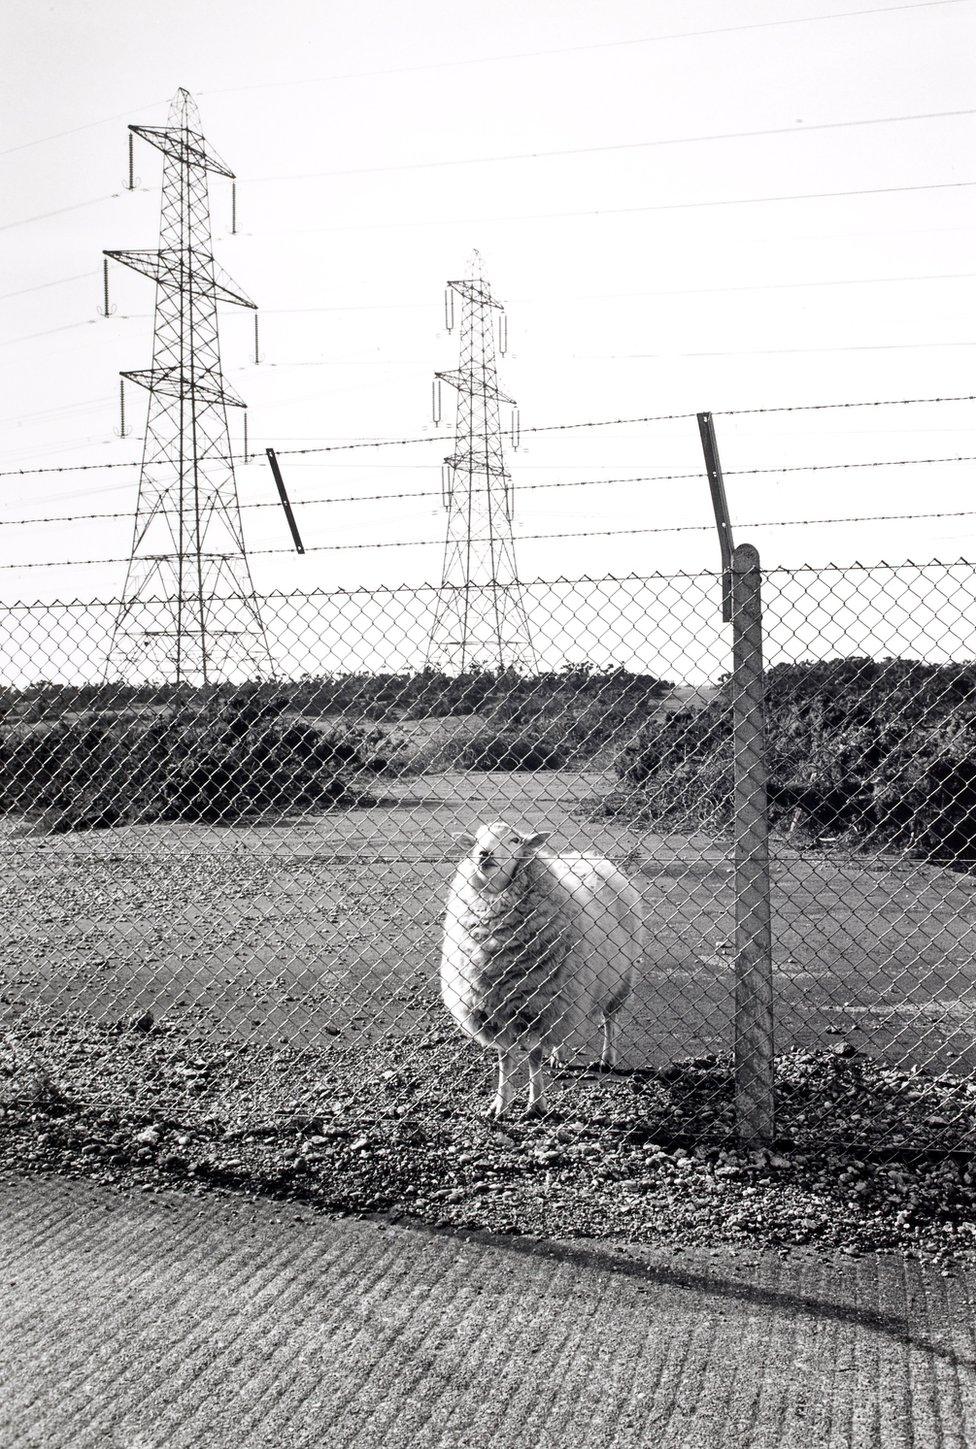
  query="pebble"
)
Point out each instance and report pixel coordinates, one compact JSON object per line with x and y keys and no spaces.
{"x":611,"y":1178}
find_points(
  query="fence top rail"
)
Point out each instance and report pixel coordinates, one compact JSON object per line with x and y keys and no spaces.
{"x":558,"y":581}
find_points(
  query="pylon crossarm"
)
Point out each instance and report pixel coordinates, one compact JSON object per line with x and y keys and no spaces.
{"x":146,"y":262}
{"x":470,"y":382}
{"x":224,"y":290}
{"x":184,"y":145}
{"x":171,"y":266}
{"x":169,"y":382}
{"x":477,"y":292}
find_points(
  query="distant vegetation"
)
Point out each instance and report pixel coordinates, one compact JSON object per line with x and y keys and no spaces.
{"x":97,"y":755}
{"x":878,"y":751}
{"x":222,"y":761}
{"x":378,"y":697}
{"x":875,"y":751}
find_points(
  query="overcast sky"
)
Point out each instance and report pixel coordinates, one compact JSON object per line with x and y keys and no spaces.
{"x":377,"y":144}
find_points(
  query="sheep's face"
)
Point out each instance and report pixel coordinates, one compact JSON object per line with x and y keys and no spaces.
{"x":497,"y":851}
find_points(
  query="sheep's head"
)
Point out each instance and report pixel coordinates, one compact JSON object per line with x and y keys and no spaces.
{"x":497,"y":851}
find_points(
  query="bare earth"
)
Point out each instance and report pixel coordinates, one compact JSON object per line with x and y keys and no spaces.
{"x":293,"y":931}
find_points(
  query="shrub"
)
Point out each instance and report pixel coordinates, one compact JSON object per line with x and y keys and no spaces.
{"x":877,"y":750}
{"x":581,"y":709}
{"x":508,"y":750}
{"x":217,"y":764}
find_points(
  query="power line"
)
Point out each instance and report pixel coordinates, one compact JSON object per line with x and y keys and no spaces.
{"x":794,"y":130}
{"x":562,"y":297}
{"x":61,"y":211}
{"x":86,"y":126}
{"x":634,"y":210}
{"x":528,"y":488}
{"x":576,"y":49}
{"x":43,"y":286}
{"x":523,"y":301}
{"x":632,"y":356}
{"x":754,"y":287}
{"x":778,"y":351}
{"x":50,"y":331}
{"x":494,"y":59}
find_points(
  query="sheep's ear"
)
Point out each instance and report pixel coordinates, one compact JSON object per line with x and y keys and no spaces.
{"x":463,"y":837}
{"x":532,"y":842}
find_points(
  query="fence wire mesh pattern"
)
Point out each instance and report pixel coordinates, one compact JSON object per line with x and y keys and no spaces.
{"x":230,"y":896}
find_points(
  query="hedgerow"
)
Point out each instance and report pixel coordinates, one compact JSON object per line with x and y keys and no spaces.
{"x":218,"y":763}
{"x":881,"y":750}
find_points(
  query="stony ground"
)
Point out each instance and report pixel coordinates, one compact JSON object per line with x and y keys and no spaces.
{"x":257,"y":1009}
{"x":647,"y":1157}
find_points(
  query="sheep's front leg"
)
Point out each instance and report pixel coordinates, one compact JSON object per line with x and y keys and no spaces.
{"x":537,"y":1087}
{"x":608,"y":1056}
{"x":507,"y":1063}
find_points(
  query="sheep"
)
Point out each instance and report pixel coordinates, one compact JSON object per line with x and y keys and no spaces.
{"x":535,"y":947}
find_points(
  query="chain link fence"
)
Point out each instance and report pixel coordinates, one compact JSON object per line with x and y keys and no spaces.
{"x":227,"y":898}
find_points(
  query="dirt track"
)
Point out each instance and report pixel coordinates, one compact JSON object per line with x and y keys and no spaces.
{"x":292,"y":931}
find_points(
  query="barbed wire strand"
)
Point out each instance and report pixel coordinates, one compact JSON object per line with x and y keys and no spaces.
{"x":527,"y":537}
{"x":523,"y":488}
{"x":253,"y":454}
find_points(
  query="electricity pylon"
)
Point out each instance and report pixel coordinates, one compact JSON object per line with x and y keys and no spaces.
{"x":480,"y":619}
{"x":189,"y":613}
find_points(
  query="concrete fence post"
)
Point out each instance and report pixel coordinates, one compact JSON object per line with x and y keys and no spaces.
{"x":754,"y":1106}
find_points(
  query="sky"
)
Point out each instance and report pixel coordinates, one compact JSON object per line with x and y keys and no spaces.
{"x":684,"y":206}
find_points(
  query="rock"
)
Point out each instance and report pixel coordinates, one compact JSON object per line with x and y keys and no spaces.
{"x":148,"y":1137}
{"x":145,"y":1022}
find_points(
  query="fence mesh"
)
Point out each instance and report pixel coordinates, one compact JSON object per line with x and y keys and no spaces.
{"x":226,"y":900}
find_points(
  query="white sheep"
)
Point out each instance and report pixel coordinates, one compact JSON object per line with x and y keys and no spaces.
{"x":536,"y":947}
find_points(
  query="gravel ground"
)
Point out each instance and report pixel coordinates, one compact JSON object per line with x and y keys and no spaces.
{"x":646,"y":1156}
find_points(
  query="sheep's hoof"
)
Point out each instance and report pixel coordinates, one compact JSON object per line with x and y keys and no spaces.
{"x":601,"y":1068}
{"x":495,"y":1110}
{"x":537,"y":1109}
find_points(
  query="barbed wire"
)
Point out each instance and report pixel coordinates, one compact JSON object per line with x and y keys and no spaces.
{"x":253,"y":455}
{"x":522,"y":488}
{"x":531,"y":537}
{"x":840,"y":406}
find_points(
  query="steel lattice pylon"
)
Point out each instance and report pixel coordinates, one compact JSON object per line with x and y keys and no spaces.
{"x":189,"y":613}
{"x":480,"y":619}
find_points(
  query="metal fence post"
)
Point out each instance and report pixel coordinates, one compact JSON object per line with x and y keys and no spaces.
{"x":754,"y":1107}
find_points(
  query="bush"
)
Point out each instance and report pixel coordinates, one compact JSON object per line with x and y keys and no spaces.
{"x":217,"y":764}
{"x":507,"y":750}
{"x":876,"y":750}
{"x":580,"y":705}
